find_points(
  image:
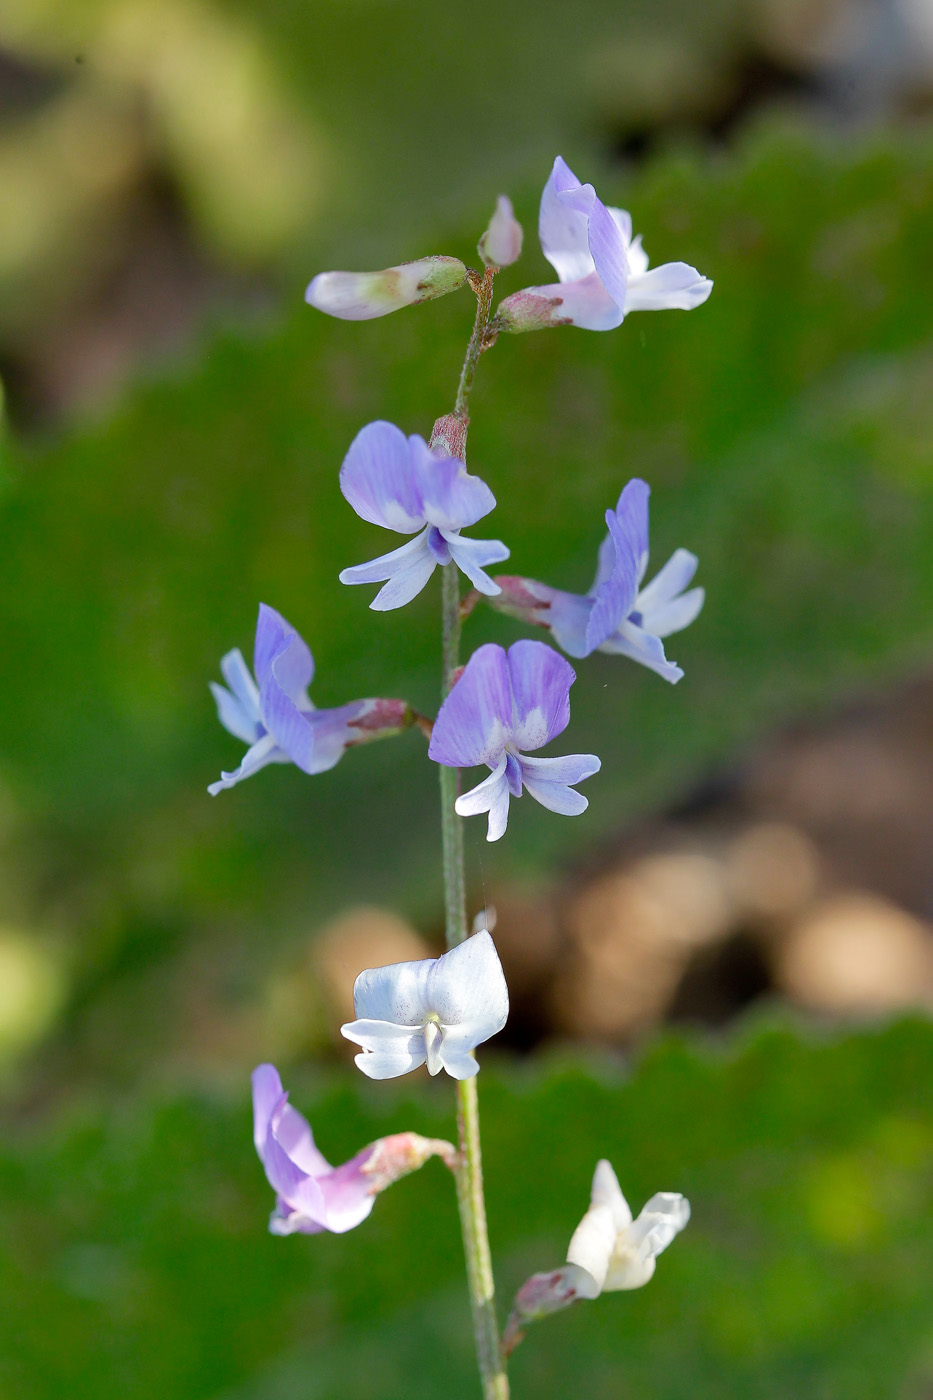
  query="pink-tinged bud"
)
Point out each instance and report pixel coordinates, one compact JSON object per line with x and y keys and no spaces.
{"x":362,"y":296}
{"x":449,"y":436}
{"x":543,"y":1294}
{"x":522,"y":598}
{"x":501,"y":244}
{"x":402,"y":1153}
{"x":378,"y":719}
{"x":529,"y":311}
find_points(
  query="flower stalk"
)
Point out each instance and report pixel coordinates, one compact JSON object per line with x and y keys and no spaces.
{"x":468,"y":1172}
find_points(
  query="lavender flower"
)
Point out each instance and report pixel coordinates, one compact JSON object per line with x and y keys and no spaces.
{"x":362,"y":296}
{"x":311,"y":1195}
{"x":399,"y":483}
{"x":617,"y":615}
{"x":432,"y":1012}
{"x":603,"y":271}
{"x":274,"y":715}
{"x":609,"y":1251}
{"x":503,"y":704}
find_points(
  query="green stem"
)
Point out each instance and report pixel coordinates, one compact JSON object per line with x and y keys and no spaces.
{"x":482,"y":286}
{"x":469,"y":1168}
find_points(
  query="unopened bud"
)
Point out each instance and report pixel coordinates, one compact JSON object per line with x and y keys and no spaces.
{"x":529,"y":311}
{"x":362,"y":296}
{"x":522,"y":598}
{"x":377,"y":719}
{"x":501,"y":244}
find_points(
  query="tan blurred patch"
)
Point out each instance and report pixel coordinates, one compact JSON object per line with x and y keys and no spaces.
{"x":857,"y":953}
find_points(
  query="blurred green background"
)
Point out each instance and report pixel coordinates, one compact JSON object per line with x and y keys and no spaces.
{"x":174,"y":172}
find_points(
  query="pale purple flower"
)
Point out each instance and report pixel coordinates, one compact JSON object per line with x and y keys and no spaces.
{"x":399,"y":483}
{"x":618,"y":615}
{"x":504,"y":704}
{"x":362,"y":296}
{"x":603,"y":270}
{"x":274,"y":715}
{"x":609,"y":1251}
{"x":310,"y":1194}
{"x":432,"y":1012}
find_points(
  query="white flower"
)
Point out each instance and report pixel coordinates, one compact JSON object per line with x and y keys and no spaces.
{"x":609,"y":1251}
{"x":613,"y":1250}
{"x":432,"y":1012}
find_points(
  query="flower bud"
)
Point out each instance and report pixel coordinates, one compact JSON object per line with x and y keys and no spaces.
{"x":361,"y":296}
{"x":501,"y":244}
{"x":529,"y":311}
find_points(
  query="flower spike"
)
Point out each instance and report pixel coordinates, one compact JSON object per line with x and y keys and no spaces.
{"x":503,"y":704}
{"x":274,"y":715}
{"x":432,"y":1012}
{"x":402,"y":485}
{"x":618,"y":615}
{"x":603,"y":272}
{"x":311,"y":1195}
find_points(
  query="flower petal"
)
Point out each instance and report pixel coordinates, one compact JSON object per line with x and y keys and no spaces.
{"x":407,"y":569}
{"x":676,"y":615}
{"x":606,"y":1191}
{"x":567,"y":617}
{"x":264,"y":751}
{"x":267,"y":1093}
{"x":591,"y":1246}
{"x":492,"y":796}
{"x":631,"y":521}
{"x":475,"y":720}
{"x":540,"y":681}
{"x":396,"y":993}
{"x":567,"y":770}
{"x":459,"y":1064}
{"x":466,"y":988}
{"x":274,"y":638}
{"x":562,"y":229}
{"x":472,"y":556}
{"x":671,"y":286}
{"x":607,"y":248}
{"x":234,"y":717}
{"x":585,"y":303}
{"x":615,"y":596}
{"x":377,"y":479}
{"x":370,"y":1033}
{"x":289,"y":726}
{"x":452,"y":499}
{"x":642,"y":646}
{"x":236,"y":673}
{"x":633,"y":1259}
{"x":293,"y":1133}
{"x":380,"y":1064}
{"x":667,"y":583}
{"x":348,"y":1194}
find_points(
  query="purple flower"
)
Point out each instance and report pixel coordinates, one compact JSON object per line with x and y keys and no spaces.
{"x":603,"y":271}
{"x":434,"y":1011}
{"x":310,"y":1194}
{"x":617,"y":615}
{"x":503,"y":704}
{"x":399,"y":483}
{"x":274,"y":715}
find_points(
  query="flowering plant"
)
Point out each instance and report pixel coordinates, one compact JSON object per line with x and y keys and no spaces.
{"x":497,"y":711}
